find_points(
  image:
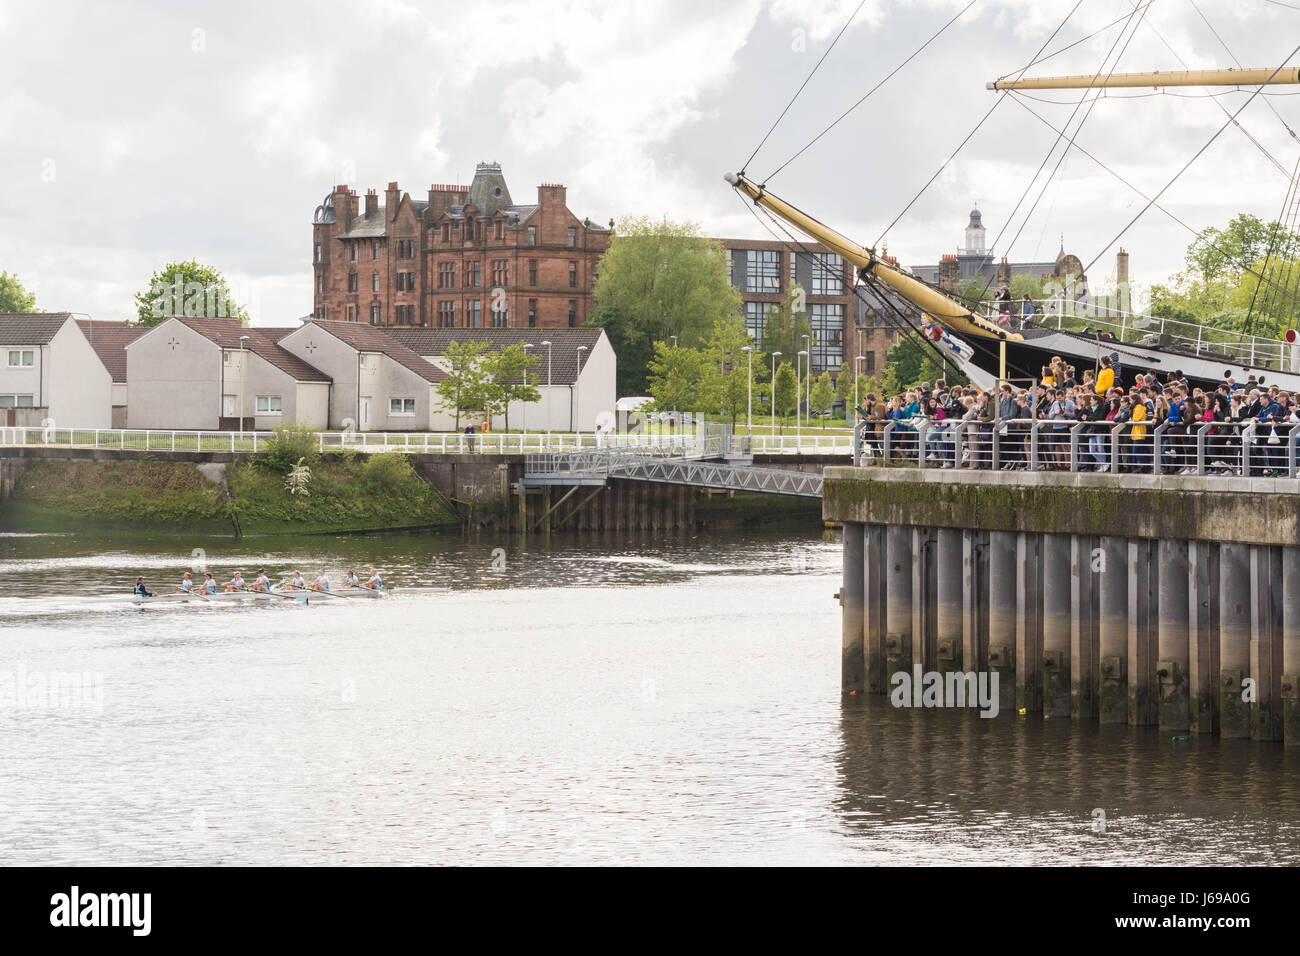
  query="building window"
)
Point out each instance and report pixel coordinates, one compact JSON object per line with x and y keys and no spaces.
{"x":374,"y":282}
{"x":269,"y":405}
{"x":318,"y":252}
{"x":401,"y":406}
{"x":501,"y":273}
{"x":404,"y":314}
{"x":352,"y":251}
{"x":573,"y":275}
{"x":446,"y":275}
{"x":352,"y":282}
{"x":16,"y":401}
{"x":755,"y":316}
{"x":446,"y":232}
{"x":405,"y":282}
{"x":320,"y":282}
{"x":763,"y":271}
{"x":871,"y":362}
{"x":532,"y":235}
{"x":405,"y":249}
{"x":352,"y":313}
{"x":532,"y":313}
{"x":532,"y":272}
{"x":320,"y":313}
{"x":474,"y":315}
{"x":827,"y":274}
{"x":501,"y":319}
{"x":827,"y":321}
{"x":501,"y":229}
{"x":573,"y":313}
{"x":475,"y":277}
{"x":573,"y":237}
{"x":446,"y":314}
{"x":792,"y":278}
{"x":374,"y":250}
{"x":374,"y":315}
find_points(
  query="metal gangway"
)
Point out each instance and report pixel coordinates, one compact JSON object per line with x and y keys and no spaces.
{"x":713,"y":458}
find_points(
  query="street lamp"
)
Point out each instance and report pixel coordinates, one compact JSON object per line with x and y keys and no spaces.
{"x":807,"y":378}
{"x":856,"y":360}
{"x":549,"y":398}
{"x":773,"y":395}
{"x":749,"y":366}
{"x":674,"y":338}
{"x":243,"y":376}
{"x":523,"y":406}
{"x":803,"y":353}
{"x":575,"y":417}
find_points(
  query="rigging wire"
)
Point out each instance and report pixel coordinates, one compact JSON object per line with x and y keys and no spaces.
{"x":808,"y":78}
{"x":1187,"y":165}
{"x":913,"y":55}
{"x":1068,"y":46}
{"x":976,"y":128}
{"x":1238,"y":62}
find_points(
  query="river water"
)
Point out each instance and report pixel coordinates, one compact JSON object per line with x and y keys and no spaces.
{"x":659,"y":700}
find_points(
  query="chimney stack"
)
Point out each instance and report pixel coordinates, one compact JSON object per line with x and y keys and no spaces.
{"x":372,"y":202}
{"x":392,"y":196}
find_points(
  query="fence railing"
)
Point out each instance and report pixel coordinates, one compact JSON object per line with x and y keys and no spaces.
{"x":1247,"y":449}
{"x":155,"y":440}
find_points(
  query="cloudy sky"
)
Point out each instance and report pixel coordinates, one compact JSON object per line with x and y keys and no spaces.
{"x":136,"y":133}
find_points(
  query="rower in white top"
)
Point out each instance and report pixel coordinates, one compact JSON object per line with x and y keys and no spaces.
{"x":262,"y":582}
{"x":375,"y":583}
{"x":236,"y":583}
{"x":209,"y":583}
{"x":296,"y":583}
{"x":322,"y":583}
{"x":186,"y":585}
{"x":350,"y":580}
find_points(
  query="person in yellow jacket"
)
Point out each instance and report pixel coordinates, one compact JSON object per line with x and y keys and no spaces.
{"x":1138,"y":432}
{"x":1106,"y":377}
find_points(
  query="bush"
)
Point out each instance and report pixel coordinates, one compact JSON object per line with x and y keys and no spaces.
{"x":289,"y":442}
{"x":388,"y":469}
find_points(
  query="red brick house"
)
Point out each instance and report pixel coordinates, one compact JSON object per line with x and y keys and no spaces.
{"x":466,"y":257}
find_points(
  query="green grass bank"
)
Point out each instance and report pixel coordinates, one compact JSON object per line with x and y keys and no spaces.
{"x":379,"y":493}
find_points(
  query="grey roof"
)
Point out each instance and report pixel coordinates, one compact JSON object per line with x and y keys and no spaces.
{"x":373,"y":226}
{"x":564,"y":345}
{"x":488,"y":191}
{"x":367,"y":338}
{"x":264,"y":343}
{"x":109,"y":340}
{"x":30,"y":328}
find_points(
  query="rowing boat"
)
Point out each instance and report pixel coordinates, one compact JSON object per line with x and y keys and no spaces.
{"x":303,"y":596}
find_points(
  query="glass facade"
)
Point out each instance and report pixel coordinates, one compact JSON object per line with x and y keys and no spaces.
{"x":763,"y":270}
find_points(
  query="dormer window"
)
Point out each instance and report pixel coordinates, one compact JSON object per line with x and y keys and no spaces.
{"x":500,"y":229}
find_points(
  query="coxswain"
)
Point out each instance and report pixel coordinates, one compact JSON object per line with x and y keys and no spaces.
{"x":322,"y":583}
{"x":296,"y":583}
{"x":350,"y":580}
{"x":236,"y":583}
{"x":262,"y":582}
{"x":140,"y":589}
{"x":375,"y":583}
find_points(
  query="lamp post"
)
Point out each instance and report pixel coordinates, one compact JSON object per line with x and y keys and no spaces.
{"x":523,"y":406}
{"x":803,"y":353}
{"x":856,"y":375}
{"x":577,"y":396}
{"x":749,"y":374}
{"x":674,"y":338}
{"x":548,"y":392}
{"x":773,"y":395}
{"x":807,"y":378}
{"x":243,"y":377}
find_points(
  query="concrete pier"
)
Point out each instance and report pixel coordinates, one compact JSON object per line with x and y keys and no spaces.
{"x":1178,"y":611}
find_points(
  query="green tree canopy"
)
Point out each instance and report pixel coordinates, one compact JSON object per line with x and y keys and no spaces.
{"x":187,"y":288}
{"x":659,"y":279}
{"x":822,"y":395}
{"x":510,"y":378}
{"x":467,"y":387}
{"x":786,"y":398}
{"x":676,"y":377}
{"x":13,"y":297}
{"x":727,"y":367}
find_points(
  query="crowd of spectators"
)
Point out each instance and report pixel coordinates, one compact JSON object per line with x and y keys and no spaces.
{"x":959,"y":423}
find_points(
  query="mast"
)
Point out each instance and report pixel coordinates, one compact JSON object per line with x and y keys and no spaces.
{"x":943,"y":308}
{"x":1251,"y":77}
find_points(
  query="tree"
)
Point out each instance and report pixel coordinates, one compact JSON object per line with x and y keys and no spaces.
{"x":676,"y":377}
{"x":785,"y":325}
{"x":658,"y":280}
{"x":726,"y":367}
{"x":508,"y":371}
{"x":190,"y":289}
{"x":786,"y":399}
{"x":633,"y":352}
{"x":467,"y":387}
{"x":913,"y":362}
{"x":822,"y":395}
{"x":844,"y":388}
{"x":13,"y":297}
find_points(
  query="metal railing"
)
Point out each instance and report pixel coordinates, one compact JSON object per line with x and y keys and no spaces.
{"x":1136,"y":328}
{"x":1246,"y":449}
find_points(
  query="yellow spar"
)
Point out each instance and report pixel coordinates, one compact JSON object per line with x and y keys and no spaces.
{"x":944,"y":309}
{"x":1261,"y":77}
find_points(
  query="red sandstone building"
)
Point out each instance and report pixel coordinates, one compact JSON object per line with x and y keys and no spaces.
{"x":467,"y":257}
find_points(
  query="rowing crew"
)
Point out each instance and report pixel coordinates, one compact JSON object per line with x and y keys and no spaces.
{"x":262,"y":583}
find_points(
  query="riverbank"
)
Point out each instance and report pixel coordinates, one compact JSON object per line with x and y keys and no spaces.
{"x":382,"y":492}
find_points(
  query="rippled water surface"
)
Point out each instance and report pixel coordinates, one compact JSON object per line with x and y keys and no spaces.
{"x":666,"y":700}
